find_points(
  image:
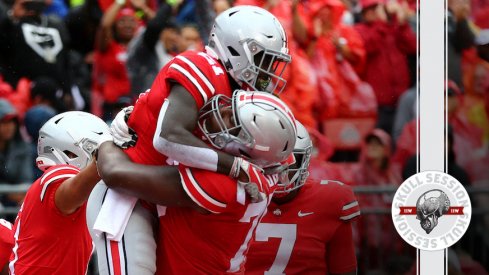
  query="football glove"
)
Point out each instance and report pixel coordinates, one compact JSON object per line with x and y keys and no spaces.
{"x":256,"y":183}
{"x":124,"y":137}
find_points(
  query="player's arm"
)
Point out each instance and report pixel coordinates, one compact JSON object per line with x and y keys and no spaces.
{"x":177,"y":140}
{"x":341,"y":259}
{"x":155,"y":184}
{"x":6,"y":245}
{"x":74,"y":192}
{"x":104,"y":34}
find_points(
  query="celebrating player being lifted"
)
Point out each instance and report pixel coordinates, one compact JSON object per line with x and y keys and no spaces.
{"x":254,"y":125}
{"x":247,"y":49}
{"x":307,"y":228}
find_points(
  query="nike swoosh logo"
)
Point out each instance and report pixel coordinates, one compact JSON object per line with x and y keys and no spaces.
{"x":300,"y":214}
{"x":98,"y":133}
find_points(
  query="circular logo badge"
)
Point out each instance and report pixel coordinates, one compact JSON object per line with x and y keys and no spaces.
{"x":431,"y":210}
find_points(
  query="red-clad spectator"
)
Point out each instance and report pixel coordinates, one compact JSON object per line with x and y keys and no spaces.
{"x":325,"y":25}
{"x":375,"y":166}
{"x":479,"y":11}
{"x":387,"y":42}
{"x":337,"y":49}
{"x":118,"y":27}
{"x":469,"y":144}
{"x":18,"y":97}
{"x":481,"y":17}
{"x":476,"y":83}
{"x":300,"y":94}
{"x":406,"y":143}
{"x":376,"y":169}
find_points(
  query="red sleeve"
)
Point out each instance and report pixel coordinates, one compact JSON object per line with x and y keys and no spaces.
{"x":210,"y":190}
{"x":197,"y":73}
{"x":355,"y":43}
{"x":340,"y":255}
{"x":349,"y":208}
{"x":54,"y":174}
{"x":6,"y":241}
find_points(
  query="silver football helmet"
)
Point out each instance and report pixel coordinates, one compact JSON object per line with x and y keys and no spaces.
{"x":298,"y":172}
{"x":252,"y":45}
{"x":70,"y":138}
{"x":255,"y":125}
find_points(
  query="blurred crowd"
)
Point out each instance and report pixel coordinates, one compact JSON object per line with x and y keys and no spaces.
{"x":352,"y":81}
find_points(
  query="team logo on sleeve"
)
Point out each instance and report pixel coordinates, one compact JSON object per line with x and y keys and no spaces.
{"x":431,"y":210}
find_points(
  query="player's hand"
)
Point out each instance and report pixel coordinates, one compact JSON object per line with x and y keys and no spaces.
{"x":138,"y":4}
{"x":253,"y":179}
{"x":124,"y":137}
{"x":460,"y":9}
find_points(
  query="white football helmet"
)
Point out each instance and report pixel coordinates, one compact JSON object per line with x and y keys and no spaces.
{"x":255,"y":125}
{"x":70,"y":138}
{"x":252,"y":45}
{"x":302,"y":154}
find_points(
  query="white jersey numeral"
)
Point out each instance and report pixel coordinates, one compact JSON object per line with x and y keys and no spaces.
{"x":254,"y":212}
{"x":287,"y":234}
{"x":217,"y":70}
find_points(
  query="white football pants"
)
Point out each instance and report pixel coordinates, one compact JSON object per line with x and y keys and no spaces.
{"x":135,"y":254}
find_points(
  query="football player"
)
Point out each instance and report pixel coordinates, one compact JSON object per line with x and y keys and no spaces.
{"x":307,"y":228}
{"x":247,"y":49}
{"x":6,"y":243}
{"x":207,"y":219}
{"x":50,"y":231}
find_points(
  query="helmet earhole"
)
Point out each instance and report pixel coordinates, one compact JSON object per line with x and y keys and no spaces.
{"x":286,"y":146}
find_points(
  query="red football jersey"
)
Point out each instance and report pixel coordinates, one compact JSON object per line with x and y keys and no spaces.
{"x":310,"y":235}
{"x":191,"y":242}
{"x":200,"y":74}
{"x":47,"y":241}
{"x":6,"y":241}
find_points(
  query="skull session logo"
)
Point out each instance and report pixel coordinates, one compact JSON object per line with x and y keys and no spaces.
{"x":431,"y":210}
